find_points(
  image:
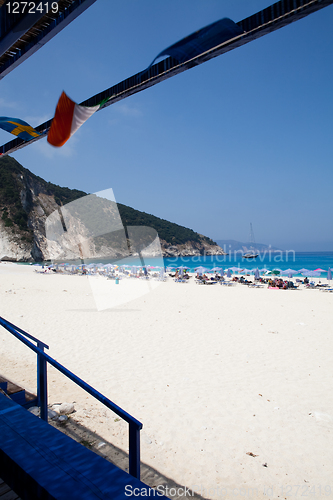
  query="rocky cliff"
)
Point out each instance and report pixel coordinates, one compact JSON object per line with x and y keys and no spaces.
{"x":28,"y":231}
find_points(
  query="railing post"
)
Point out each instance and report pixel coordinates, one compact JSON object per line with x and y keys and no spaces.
{"x":42,"y":383}
{"x":134,"y":450}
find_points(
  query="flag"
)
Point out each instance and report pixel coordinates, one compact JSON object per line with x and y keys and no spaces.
{"x":202,"y":40}
{"x":18,"y":127}
{"x":68,"y":118}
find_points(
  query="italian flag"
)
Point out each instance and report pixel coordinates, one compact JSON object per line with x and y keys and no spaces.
{"x":68,"y":118}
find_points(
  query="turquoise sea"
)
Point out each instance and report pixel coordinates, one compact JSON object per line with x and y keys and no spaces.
{"x":269,"y":260}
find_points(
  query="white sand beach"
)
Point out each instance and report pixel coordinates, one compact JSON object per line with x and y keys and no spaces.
{"x":233,"y":385}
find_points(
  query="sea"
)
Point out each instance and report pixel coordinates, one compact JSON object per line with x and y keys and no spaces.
{"x":266,"y":260}
{"x":281,"y":260}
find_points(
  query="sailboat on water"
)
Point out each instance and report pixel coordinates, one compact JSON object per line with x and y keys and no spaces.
{"x":252,"y":253}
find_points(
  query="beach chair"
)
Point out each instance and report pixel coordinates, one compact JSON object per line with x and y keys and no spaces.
{"x":310,"y":285}
{"x":292,"y":286}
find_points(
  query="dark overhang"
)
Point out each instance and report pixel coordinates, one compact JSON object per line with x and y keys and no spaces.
{"x":267,"y":20}
{"x":23,"y":33}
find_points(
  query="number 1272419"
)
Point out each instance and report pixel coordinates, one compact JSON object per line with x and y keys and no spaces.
{"x":32,"y":7}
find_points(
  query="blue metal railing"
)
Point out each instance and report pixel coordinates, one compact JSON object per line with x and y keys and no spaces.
{"x":42,"y":359}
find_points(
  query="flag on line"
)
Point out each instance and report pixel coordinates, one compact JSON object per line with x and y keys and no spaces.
{"x":68,"y":118}
{"x":18,"y":127}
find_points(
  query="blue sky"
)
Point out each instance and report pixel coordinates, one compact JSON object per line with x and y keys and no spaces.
{"x":245,"y":137}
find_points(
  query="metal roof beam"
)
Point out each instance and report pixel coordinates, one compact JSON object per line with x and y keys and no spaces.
{"x":270,"y":19}
{"x":17,"y":55}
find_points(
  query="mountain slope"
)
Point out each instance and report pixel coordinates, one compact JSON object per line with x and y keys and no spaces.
{"x":26,"y":201}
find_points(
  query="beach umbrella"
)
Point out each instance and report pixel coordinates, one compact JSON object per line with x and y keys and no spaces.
{"x":303,"y":270}
{"x":182,"y":269}
{"x":312,"y":273}
{"x":217,"y":270}
{"x":201,"y":269}
{"x":329,"y":274}
{"x":257,"y":274}
{"x":289,"y":272}
{"x":320,"y":270}
{"x":229,"y":273}
{"x":236,"y":269}
{"x":263,"y":270}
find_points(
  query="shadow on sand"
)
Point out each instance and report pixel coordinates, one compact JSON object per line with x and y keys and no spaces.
{"x":118,"y":457}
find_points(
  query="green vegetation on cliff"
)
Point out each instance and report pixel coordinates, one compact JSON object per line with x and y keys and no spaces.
{"x":15,"y":179}
{"x":167,"y":231}
{"x":12,"y":176}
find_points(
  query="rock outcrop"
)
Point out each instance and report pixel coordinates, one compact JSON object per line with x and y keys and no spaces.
{"x":27,"y":202}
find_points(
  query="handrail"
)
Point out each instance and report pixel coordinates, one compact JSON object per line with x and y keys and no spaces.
{"x":27,"y":334}
{"x":42,"y":359}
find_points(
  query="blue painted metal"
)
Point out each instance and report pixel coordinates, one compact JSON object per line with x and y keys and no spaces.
{"x":41,"y":463}
{"x":134,"y":425}
{"x":18,"y":397}
{"x":28,"y":335}
{"x":42,"y":383}
{"x":41,"y":372}
{"x":134,"y":444}
{"x":3,"y":386}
